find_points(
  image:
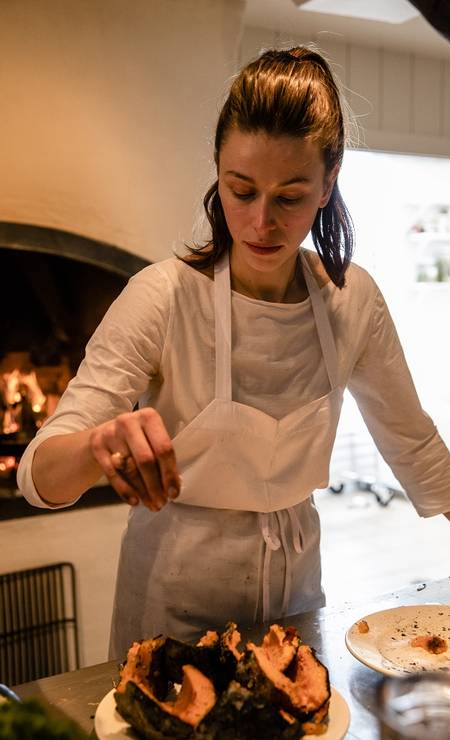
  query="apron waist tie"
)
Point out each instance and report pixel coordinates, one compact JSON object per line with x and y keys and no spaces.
{"x":273,"y":543}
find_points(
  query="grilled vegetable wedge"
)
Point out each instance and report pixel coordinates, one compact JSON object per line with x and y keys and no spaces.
{"x":278,"y":689}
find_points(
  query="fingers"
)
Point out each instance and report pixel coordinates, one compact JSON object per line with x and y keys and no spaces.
{"x":131,"y":491}
{"x":152,"y":451}
{"x":164,"y":454}
{"x":126,"y":470}
{"x":146,"y":470}
{"x":136,"y":454}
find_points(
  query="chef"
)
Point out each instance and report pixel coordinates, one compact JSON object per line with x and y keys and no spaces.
{"x":238,"y":354}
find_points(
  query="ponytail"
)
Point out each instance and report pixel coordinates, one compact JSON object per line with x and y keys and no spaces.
{"x":332,"y":234}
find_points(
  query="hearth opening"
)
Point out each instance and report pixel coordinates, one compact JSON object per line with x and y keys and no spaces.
{"x":56,"y":288}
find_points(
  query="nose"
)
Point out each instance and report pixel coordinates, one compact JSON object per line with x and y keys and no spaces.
{"x":263,"y":215}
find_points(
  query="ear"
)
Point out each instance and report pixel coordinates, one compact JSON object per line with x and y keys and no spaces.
{"x":328,"y":185}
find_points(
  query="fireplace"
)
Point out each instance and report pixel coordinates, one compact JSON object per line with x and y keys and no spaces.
{"x":56,"y":287}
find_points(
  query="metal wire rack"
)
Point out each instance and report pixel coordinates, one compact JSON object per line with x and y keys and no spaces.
{"x":357,"y":462}
{"x":38,"y":623}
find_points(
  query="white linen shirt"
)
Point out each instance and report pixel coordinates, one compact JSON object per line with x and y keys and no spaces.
{"x":155,"y":345}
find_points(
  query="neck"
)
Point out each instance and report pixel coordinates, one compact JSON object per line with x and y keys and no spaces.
{"x":286,"y":286}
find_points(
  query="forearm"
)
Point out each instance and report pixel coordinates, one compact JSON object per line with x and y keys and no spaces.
{"x":63,"y":467}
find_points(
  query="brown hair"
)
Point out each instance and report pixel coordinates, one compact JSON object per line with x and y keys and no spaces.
{"x":286,"y":93}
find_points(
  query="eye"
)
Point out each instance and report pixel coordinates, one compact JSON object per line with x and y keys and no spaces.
{"x":288,"y":201}
{"x":242,"y":196}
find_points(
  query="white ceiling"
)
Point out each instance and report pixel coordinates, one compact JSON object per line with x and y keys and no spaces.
{"x":415,"y":35}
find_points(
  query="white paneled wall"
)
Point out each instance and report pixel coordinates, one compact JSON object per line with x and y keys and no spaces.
{"x":400,"y":100}
{"x":426,"y":96}
{"x":363,"y":72}
{"x":446,"y":100}
{"x":395,"y":74}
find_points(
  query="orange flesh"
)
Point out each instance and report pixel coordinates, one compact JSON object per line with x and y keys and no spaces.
{"x":196,"y":698}
{"x":137,"y":667}
{"x":231,"y":639}
{"x":309,"y":689}
{"x":432,"y":644}
{"x":280,"y":647}
{"x":197,"y":695}
{"x":208,"y":640}
{"x":311,"y":679}
{"x":287,"y":717}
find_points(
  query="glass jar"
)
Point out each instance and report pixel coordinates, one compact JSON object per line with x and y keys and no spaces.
{"x":415,"y":707}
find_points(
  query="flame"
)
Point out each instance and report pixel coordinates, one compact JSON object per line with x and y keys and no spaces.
{"x":24,"y":404}
{"x":15,"y":380}
{"x":15,"y":384}
{"x":7,"y":463}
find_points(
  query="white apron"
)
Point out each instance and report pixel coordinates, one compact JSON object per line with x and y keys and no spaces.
{"x":241,"y":542}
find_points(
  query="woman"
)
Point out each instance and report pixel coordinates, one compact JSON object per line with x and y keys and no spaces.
{"x":239,"y":356}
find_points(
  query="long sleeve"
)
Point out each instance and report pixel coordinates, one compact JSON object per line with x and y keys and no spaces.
{"x":122,"y":356}
{"x":404,"y":434}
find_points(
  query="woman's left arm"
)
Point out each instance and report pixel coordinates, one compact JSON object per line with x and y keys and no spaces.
{"x":405,"y":435}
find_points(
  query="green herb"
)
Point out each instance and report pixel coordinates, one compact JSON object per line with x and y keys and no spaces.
{"x":34,"y":721}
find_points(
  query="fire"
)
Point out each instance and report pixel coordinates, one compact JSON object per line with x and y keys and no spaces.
{"x":28,"y":395}
{"x":7,"y":464}
{"x":19,"y":388}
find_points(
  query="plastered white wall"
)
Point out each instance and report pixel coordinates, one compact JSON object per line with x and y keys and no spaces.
{"x":88,"y":538}
{"x":108,"y":109}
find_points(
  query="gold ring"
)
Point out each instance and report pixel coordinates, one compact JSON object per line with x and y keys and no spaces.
{"x":119,"y":461}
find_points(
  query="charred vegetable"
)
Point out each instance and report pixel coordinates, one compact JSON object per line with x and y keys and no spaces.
{"x":278,"y":689}
{"x":302,"y":689}
{"x":157,"y":719}
{"x":240,"y":714}
{"x":145,"y":666}
{"x":214,"y":655}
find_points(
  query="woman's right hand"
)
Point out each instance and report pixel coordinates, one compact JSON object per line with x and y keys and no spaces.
{"x":136,"y":454}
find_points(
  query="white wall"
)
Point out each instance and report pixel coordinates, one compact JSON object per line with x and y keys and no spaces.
{"x":88,"y":538}
{"x":108,"y":110}
{"x":105,"y":126}
{"x":107,"y":113}
{"x":401,"y":101}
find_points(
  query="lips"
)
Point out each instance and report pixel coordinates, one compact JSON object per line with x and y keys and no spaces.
{"x":263,"y":249}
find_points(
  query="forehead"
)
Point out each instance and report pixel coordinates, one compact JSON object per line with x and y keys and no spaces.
{"x":278,"y":158}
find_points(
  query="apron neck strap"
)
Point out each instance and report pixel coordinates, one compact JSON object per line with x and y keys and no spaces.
{"x":323,"y":325}
{"x":222,"y":312}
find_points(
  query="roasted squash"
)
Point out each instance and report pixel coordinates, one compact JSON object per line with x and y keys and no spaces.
{"x":278,"y":689}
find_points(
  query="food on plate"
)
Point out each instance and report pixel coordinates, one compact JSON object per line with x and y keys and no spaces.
{"x":278,"y":689}
{"x":404,"y":640}
{"x":363,"y":627}
{"x":397,"y":648}
{"x":431,"y":643}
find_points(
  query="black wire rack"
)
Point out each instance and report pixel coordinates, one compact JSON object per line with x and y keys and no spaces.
{"x":38,"y":623}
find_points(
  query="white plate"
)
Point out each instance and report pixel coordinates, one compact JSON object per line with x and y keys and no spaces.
{"x":109,"y":725}
{"x":386,"y":646}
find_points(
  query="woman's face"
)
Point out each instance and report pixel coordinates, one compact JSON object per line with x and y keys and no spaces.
{"x":270,"y":188}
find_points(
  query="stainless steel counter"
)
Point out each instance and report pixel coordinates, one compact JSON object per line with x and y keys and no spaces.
{"x":79,"y":692}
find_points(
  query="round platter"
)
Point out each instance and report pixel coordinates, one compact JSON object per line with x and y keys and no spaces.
{"x":109,"y":725}
{"x":386,"y":646}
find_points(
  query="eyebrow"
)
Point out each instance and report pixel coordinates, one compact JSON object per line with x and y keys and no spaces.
{"x":246,"y":178}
